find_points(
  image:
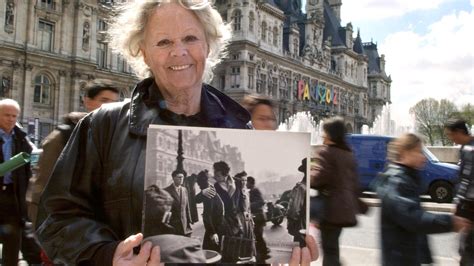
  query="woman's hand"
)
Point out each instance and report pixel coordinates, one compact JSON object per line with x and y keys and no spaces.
{"x":124,"y":252}
{"x":305,"y":255}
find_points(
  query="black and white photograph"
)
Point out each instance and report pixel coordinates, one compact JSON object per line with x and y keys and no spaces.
{"x":225,"y":195}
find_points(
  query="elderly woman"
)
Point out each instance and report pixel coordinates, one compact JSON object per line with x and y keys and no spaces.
{"x":94,"y":199}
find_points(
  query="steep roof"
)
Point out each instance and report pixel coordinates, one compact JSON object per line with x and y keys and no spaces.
{"x":370,"y":49}
{"x":332,"y":27}
{"x":358,"y":46}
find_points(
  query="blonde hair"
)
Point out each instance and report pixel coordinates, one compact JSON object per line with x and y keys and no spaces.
{"x":405,"y":142}
{"x":127,"y":29}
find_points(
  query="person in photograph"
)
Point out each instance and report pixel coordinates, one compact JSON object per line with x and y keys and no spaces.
{"x":245,"y":215}
{"x":405,"y":224}
{"x":180,"y":213}
{"x":212,"y":215}
{"x":334,"y":175}
{"x":94,"y":198}
{"x":257,"y":204}
{"x":296,"y":213}
{"x":456,"y":130}
{"x":234,"y":210}
{"x":262,"y":112}
{"x":158,"y":212}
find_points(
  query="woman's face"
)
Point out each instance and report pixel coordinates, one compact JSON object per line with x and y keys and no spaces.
{"x":174,"y":47}
{"x":263,"y":117}
{"x":413,"y":158}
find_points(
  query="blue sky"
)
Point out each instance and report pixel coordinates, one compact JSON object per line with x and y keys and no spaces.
{"x":427,"y":45}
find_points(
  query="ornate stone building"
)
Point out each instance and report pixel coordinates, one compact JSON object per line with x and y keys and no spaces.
{"x":48,"y":50}
{"x":305,"y":61}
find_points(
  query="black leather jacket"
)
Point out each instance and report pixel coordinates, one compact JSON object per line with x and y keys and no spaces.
{"x":94,"y":197}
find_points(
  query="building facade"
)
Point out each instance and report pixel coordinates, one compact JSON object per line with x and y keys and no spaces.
{"x":49,"y":49}
{"x":304,"y":61}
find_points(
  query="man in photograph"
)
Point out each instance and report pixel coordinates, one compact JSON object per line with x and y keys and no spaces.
{"x":256,"y":206}
{"x":180,"y":212}
{"x":297,"y":208}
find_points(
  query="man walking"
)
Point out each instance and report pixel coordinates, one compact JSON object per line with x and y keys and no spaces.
{"x":456,"y":130}
{"x":256,"y":206}
{"x":180,"y":212}
{"x":13,"y":185}
{"x":98,"y":92}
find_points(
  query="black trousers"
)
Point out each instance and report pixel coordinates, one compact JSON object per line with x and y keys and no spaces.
{"x":330,"y":242}
{"x":261,"y":245}
{"x":466,"y":249}
{"x":10,"y":226}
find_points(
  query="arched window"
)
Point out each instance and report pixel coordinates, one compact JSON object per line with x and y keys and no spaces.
{"x":237,"y":19}
{"x":251,"y":21}
{"x":275,"y":36}
{"x":264,"y":31}
{"x":42,"y":91}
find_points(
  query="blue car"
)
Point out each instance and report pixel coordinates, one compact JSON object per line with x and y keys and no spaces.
{"x":438,"y":179}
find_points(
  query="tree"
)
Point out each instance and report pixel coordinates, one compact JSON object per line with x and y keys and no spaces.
{"x":430,"y":116}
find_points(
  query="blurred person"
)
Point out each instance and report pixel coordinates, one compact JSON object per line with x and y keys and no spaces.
{"x":257,"y":204}
{"x":457,"y":131}
{"x":13,"y":211}
{"x":158,"y":212}
{"x":334,"y":175}
{"x":95,"y":195}
{"x":262,"y":112}
{"x":97,"y":92}
{"x":405,"y":224}
{"x":212,"y":215}
{"x":180,"y":212}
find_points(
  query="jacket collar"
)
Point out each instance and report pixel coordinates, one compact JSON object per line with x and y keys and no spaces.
{"x":148,"y":106}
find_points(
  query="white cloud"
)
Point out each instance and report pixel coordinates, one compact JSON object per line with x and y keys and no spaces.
{"x":366,"y":10}
{"x":438,"y":64}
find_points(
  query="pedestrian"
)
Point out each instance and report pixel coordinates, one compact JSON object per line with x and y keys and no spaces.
{"x":334,"y":176}
{"x":180,"y":212}
{"x":405,"y":224}
{"x":257,"y":204}
{"x":94,"y":198}
{"x":456,"y":130}
{"x":212,"y":215}
{"x":13,"y":211}
{"x":97,"y":92}
{"x":262,"y":112}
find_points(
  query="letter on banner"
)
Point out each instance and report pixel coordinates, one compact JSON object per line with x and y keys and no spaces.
{"x":336,"y":93}
{"x":314,"y":91}
{"x":306,"y":92}
{"x":322,"y":93}
{"x":328,"y":95}
{"x":300,"y":89}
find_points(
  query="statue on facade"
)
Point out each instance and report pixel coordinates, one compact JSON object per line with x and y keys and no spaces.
{"x":10,"y":13}
{"x":85,"y":36}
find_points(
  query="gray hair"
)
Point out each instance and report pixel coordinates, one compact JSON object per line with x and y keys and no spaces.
{"x":10,"y":102}
{"x":127,"y":28}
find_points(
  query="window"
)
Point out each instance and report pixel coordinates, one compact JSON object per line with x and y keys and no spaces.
{"x":42,"y":90}
{"x":222,"y":82}
{"x":102,"y":55}
{"x":264,"y":31}
{"x":251,"y":72}
{"x":275,"y":36}
{"x":235,"y":77}
{"x":5,"y":87}
{"x":101,"y":25}
{"x":48,"y":4}
{"x":237,"y":19}
{"x":274,"y":87}
{"x":121,"y":64}
{"x":251,"y":21}
{"x":46,"y":35}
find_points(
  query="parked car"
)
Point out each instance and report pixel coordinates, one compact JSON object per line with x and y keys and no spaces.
{"x":437,"y":179}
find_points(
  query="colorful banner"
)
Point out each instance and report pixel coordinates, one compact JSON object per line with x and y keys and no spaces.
{"x":318,"y":92}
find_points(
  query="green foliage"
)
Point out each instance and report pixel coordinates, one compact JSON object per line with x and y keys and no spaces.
{"x":430,"y":116}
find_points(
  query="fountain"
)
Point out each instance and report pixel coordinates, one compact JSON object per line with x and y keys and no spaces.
{"x":304,"y":122}
{"x":382,"y":125}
